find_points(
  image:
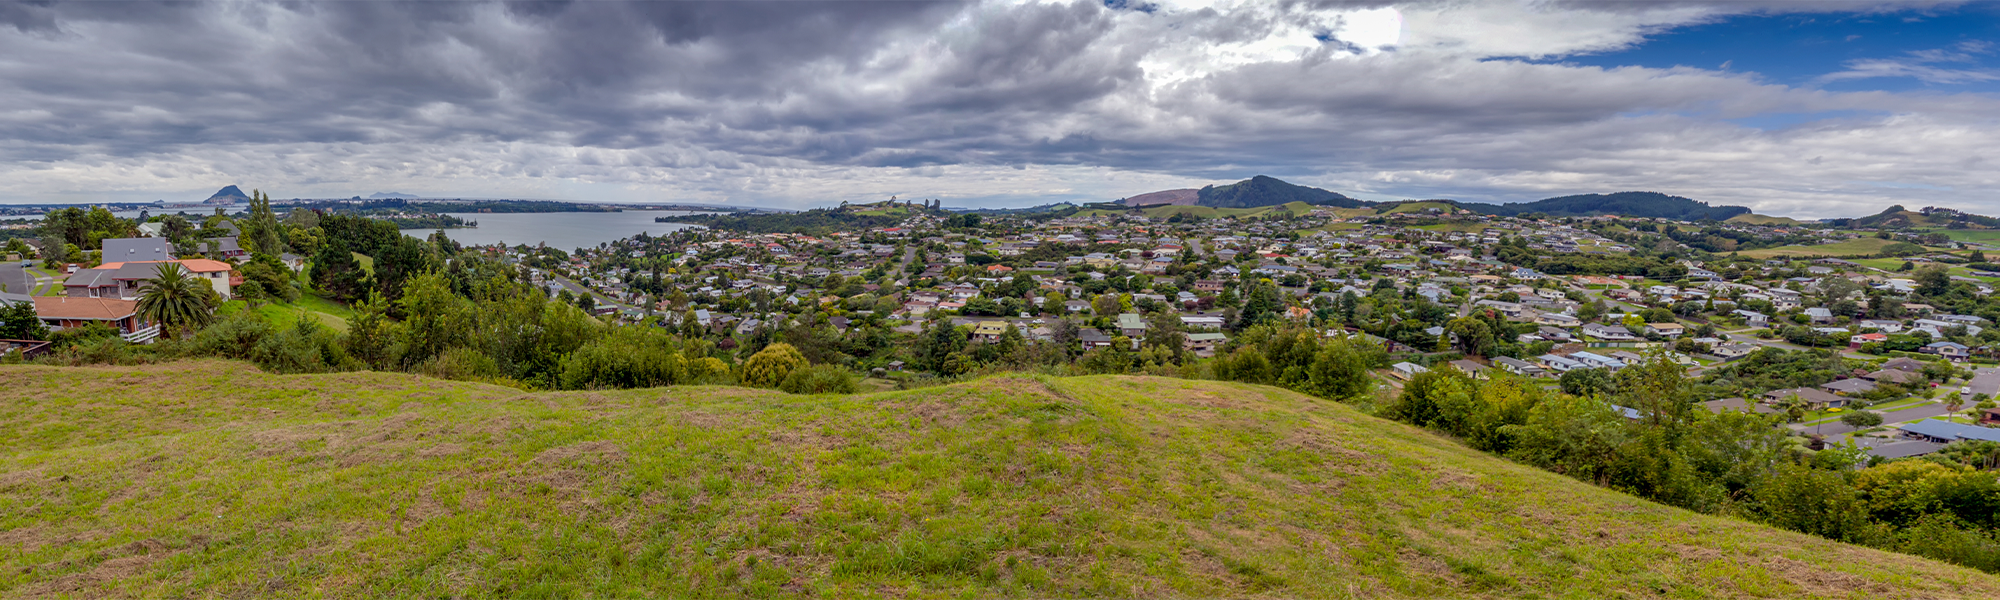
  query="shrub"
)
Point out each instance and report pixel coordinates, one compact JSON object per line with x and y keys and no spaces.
{"x":461,"y":363}
{"x":819,"y":379}
{"x":770,"y":366}
{"x":630,"y":357}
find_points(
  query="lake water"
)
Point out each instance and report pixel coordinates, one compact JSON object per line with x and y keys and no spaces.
{"x":566,"y":230}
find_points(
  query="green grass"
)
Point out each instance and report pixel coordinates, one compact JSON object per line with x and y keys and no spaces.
{"x":1972,"y":235}
{"x":1410,"y":207}
{"x":327,"y":312}
{"x":1456,"y":226}
{"x":1854,"y":247}
{"x":1904,"y":404}
{"x":218,"y":481}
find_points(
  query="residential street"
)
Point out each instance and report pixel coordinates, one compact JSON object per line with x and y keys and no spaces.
{"x":15,"y":279}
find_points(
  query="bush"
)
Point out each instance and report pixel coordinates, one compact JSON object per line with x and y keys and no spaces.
{"x":819,"y":379}
{"x":462,"y":364}
{"x":306,"y":347}
{"x":631,"y":357}
{"x":770,"y":366}
{"x":235,"y":336}
{"x":85,"y":334}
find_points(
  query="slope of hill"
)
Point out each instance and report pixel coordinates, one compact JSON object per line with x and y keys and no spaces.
{"x":1629,"y":204}
{"x":1757,"y":219}
{"x":1173,"y":197}
{"x":223,"y":482}
{"x":1270,"y":191}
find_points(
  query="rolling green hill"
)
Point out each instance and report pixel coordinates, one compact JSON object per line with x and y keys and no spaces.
{"x":1270,"y":191}
{"x":1629,"y":204}
{"x":1757,"y":219}
{"x":217,"y":481}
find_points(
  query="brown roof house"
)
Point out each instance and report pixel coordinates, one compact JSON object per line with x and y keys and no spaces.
{"x":62,"y":312}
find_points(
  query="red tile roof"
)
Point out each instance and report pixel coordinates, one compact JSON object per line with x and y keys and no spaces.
{"x":91,"y":309}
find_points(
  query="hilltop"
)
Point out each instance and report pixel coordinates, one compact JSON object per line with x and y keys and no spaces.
{"x":226,"y":482}
{"x":1631,"y":204}
{"x":1262,"y":191}
{"x":228,"y":194}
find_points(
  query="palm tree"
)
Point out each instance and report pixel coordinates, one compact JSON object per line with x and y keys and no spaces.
{"x":177,"y":301}
{"x":1793,"y":406}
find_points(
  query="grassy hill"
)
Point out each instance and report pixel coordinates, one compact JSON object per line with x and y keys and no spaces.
{"x":209,"y":479}
{"x":1757,"y":219}
{"x":1866,"y":246}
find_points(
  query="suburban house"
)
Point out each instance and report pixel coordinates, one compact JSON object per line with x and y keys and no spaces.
{"x":1849,"y":387}
{"x":1519,"y":367}
{"x":989,"y":331}
{"x":1904,"y":364}
{"x":1612,"y":333}
{"x":1476,"y":370}
{"x":1945,"y":432}
{"x":1204,"y":344}
{"x":1952,"y":350}
{"x":1131,"y":325}
{"x":1090,"y":338}
{"x":1855,"y":341}
{"x":1736,"y":350}
{"x":1815,"y":399}
{"x":1201,"y":322}
{"x":124,"y":280}
{"x":62,"y":312}
{"x":1597,"y":360}
{"x":1667,"y":330}
{"x":1406,"y":370}
{"x":137,"y":249}
{"x":1561,"y":364}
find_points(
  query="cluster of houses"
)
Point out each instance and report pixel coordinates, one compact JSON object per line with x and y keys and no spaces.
{"x":109,"y":292}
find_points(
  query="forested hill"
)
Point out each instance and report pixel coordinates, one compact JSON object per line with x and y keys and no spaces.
{"x":1263,"y":191}
{"x":1626,"y":204}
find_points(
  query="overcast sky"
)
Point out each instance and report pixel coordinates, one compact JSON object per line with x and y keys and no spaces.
{"x":1791,"y":107}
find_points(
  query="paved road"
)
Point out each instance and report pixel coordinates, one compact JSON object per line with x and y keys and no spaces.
{"x":16,"y":279}
{"x":1985,"y":381}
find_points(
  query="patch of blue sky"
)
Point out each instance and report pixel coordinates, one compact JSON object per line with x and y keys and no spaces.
{"x":1939,"y":50}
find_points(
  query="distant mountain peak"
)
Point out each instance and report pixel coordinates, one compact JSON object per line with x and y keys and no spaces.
{"x":229,"y":192}
{"x":392,"y":196}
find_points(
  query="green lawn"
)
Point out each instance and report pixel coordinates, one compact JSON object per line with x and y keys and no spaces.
{"x":1904,"y":404}
{"x":220,"y":481}
{"x":284,"y":315}
{"x":1972,"y":235}
{"x":1456,"y":226}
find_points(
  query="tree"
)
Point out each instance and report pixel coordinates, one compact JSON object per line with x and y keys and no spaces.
{"x":177,"y":301}
{"x":18,"y":321}
{"x":1793,"y":407}
{"x":1861,"y":419}
{"x":262,"y":232}
{"x":770,"y":366}
{"x":1932,"y":280}
{"x":335,"y":272}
